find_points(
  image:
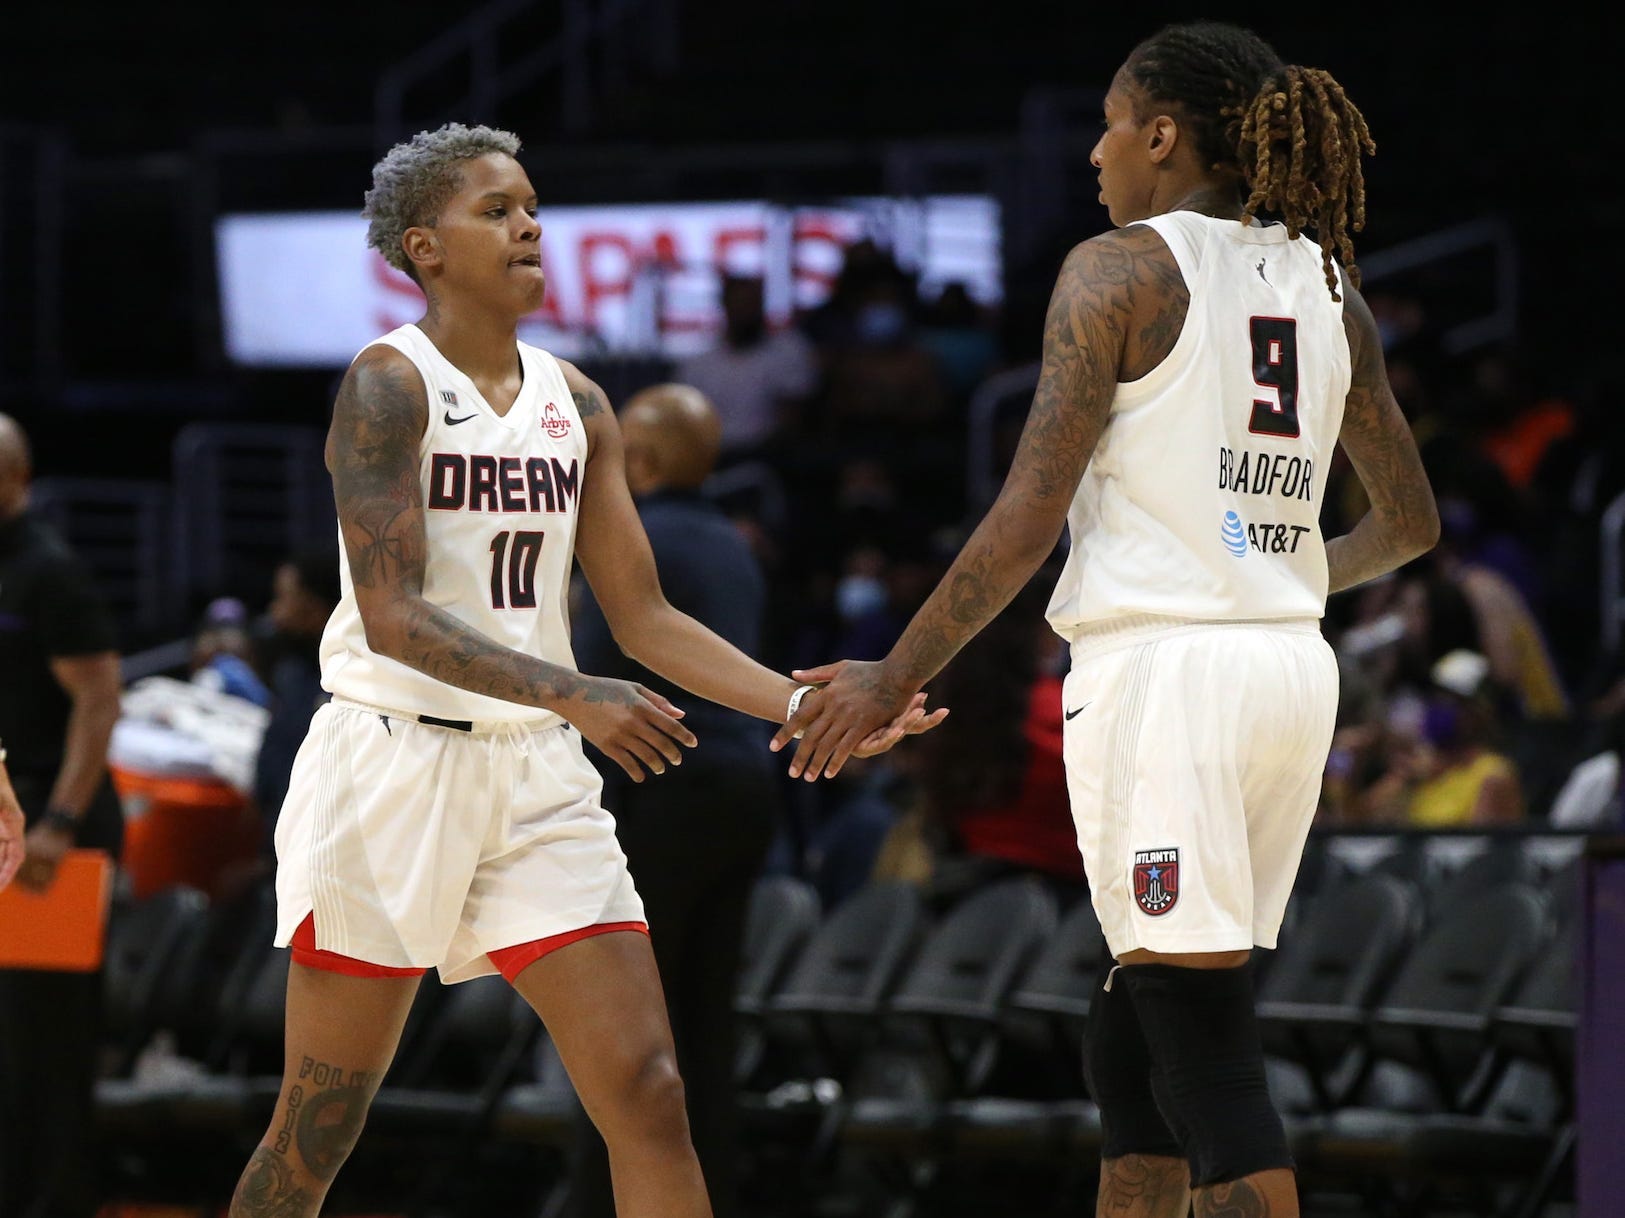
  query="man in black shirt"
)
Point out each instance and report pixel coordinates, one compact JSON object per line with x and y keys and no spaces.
{"x":696,"y":836}
{"x":59,"y":699}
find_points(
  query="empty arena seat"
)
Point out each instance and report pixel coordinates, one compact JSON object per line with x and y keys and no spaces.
{"x":1034,"y":1108}
{"x":818,"y":1023}
{"x":944,"y":1016}
{"x":828,"y":1002}
{"x":1430,"y":1033}
{"x":1325,"y":977}
{"x":1497,"y":862}
{"x":144,"y":939}
{"x":782,"y":917}
{"x":938,"y":1038}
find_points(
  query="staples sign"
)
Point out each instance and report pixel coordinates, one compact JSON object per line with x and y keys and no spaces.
{"x":302,"y":289}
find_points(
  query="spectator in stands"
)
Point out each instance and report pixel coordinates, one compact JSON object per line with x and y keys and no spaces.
{"x":960,"y":338}
{"x":831,"y":324}
{"x":696,"y":839}
{"x":1526,"y":421}
{"x":1435,"y":618}
{"x":850,"y":827}
{"x":1454,"y":776}
{"x":1485,"y":520}
{"x":1579,"y":476}
{"x":884,"y":381}
{"x":1355,"y":758}
{"x":305,"y":591}
{"x":758,"y":378}
{"x":1509,"y":631}
{"x":223,"y":654}
{"x":59,"y":700}
{"x":1590,"y":795}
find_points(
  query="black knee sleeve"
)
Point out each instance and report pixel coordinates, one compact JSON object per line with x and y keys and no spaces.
{"x":1208,"y":1068}
{"x":1117,"y":1067}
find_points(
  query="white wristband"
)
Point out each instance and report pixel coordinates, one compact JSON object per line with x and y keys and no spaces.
{"x":795,"y":703}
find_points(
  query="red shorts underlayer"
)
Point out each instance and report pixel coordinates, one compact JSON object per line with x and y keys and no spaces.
{"x":510,"y":961}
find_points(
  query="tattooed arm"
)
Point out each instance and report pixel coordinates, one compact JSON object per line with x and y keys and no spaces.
{"x":1086,"y":333}
{"x":616,"y":557}
{"x":1403,"y":522}
{"x":372,"y":452}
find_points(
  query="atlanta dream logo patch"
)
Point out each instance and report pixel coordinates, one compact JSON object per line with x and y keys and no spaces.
{"x":553,"y":421}
{"x":1156,"y":880}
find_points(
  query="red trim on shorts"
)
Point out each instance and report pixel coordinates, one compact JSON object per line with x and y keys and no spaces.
{"x":306,"y":952}
{"x":511,"y":961}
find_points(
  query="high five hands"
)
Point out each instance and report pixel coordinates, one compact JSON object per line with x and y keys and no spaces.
{"x":856,"y":714}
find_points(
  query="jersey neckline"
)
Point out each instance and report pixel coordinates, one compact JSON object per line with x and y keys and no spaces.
{"x":526,"y":387}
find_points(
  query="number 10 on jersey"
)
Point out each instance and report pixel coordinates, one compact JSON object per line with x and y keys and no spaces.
{"x":513,"y":569}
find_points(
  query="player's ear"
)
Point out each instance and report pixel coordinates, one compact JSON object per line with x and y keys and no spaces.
{"x":422,"y":246}
{"x":1162,"y":137}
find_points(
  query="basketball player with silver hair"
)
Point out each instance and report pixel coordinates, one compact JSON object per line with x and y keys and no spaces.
{"x":441,"y":812}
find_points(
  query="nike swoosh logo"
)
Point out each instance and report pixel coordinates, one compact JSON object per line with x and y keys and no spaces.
{"x":451,"y":422}
{"x":1073,"y":714}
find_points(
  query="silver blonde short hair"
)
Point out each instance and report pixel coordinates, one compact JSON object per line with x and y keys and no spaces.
{"x":417,"y":178}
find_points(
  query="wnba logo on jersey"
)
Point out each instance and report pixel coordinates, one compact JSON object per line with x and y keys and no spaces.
{"x":553,"y":421}
{"x":1156,"y":880}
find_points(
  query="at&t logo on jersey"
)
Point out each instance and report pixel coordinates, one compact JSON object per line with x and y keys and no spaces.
{"x":554,"y":422}
{"x":1265,"y":537}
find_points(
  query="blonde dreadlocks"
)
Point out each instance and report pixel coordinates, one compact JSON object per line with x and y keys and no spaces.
{"x":1290,"y":134}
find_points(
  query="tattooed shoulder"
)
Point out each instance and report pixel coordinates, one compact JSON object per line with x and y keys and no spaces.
{"x":1157,"y":299}
{"x":372,"y":451}
{"x":381,"y":399}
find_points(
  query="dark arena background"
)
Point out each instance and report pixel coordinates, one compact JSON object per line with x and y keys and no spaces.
{"x":183,"y":279}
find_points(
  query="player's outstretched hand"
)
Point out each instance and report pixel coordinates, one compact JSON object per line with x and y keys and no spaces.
{"x":911,"y":722}
{"x":634,"y":727}
{"x":858,"y":708}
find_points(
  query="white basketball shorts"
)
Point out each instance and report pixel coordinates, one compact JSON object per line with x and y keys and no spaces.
{"x":421,"y":846}
{"x":1194,"y":756}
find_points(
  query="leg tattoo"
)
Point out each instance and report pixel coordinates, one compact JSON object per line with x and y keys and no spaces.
{"x":1143,"y":1186}
{"x":327,"y":1121}
{"x":1238,"y":1199}
{"x":322,"y":1116}
{"x":267,"y":1189}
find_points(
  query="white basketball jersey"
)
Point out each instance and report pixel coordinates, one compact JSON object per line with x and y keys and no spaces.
{"x":1202,"y":499}
{"x":500,"y":497}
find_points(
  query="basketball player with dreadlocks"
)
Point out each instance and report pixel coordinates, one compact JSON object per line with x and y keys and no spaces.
{"x":1201,"y":361}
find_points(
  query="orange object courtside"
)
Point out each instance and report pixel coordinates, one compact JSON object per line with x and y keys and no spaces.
{"x":64,"y":928}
